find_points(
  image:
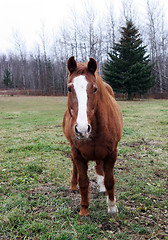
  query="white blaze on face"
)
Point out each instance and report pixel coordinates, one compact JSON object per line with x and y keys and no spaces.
{"x":80,"y":87}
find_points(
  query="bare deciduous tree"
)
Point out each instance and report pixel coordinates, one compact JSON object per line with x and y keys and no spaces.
{"x":157,"y":40}
{"x":21,"y":48}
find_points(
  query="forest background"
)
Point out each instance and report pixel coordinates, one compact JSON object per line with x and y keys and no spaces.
{"x":42,"y":70}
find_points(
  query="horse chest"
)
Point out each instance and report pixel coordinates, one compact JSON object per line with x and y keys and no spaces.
{"x":89,"y":152}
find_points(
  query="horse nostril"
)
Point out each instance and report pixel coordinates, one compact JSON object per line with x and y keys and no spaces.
{"x":76,"y":130}
{"x":89,"y":128}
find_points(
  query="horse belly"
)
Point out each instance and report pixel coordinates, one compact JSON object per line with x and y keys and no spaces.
{"x":93,"y":152}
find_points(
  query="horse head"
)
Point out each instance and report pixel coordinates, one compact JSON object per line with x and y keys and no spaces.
{"x":82,"y":96}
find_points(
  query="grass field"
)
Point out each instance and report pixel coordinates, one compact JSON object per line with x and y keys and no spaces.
{"x":35,"y":170}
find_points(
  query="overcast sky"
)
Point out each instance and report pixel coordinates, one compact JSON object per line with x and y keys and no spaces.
{"x":26,"y":17}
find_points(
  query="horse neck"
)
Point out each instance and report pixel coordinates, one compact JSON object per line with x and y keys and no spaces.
{"x":103,"y":94}
{"x":103,"y":105}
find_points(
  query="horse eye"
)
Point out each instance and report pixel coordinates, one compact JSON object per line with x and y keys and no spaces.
{"x":69,"y":89}
{"x":95,"y":90}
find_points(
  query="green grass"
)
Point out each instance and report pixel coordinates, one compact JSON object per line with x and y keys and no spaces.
{"x":35,"y":171}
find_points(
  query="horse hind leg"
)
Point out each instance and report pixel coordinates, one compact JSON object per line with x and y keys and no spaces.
{"x":109,"y":182}
{"x":100,"y":176}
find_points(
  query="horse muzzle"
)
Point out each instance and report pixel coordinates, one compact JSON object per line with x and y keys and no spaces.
{"x":82,"y":132}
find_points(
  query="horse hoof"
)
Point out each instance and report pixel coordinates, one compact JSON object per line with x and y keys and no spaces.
{"x":102,"y":189}
{"x":113,"y":210}
{"x":84,"y":212}
{"x":73,"y":188}
{"x":112,"y":207}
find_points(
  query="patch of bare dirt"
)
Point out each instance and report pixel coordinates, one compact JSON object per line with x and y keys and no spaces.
{"x":161,"y":173}
{"x":45,"y":189}
{"x":141,"y":142}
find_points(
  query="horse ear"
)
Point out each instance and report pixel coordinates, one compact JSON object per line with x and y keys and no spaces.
{"x":71,"y":64}
{"x":92,"y":65}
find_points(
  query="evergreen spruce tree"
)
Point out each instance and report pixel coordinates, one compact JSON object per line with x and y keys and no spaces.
{"x":7,"y":78}
{"x":128,"y":69}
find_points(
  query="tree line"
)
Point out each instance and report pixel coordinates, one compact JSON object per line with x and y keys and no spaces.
{"x":90,"y":35}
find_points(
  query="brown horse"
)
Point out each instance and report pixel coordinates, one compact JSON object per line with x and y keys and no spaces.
{"x":93,"y":125}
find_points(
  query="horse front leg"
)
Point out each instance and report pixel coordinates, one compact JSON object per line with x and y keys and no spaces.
{"x":109,"y":182}
{"x":82,"y":167}
{"x":74,"y":176}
